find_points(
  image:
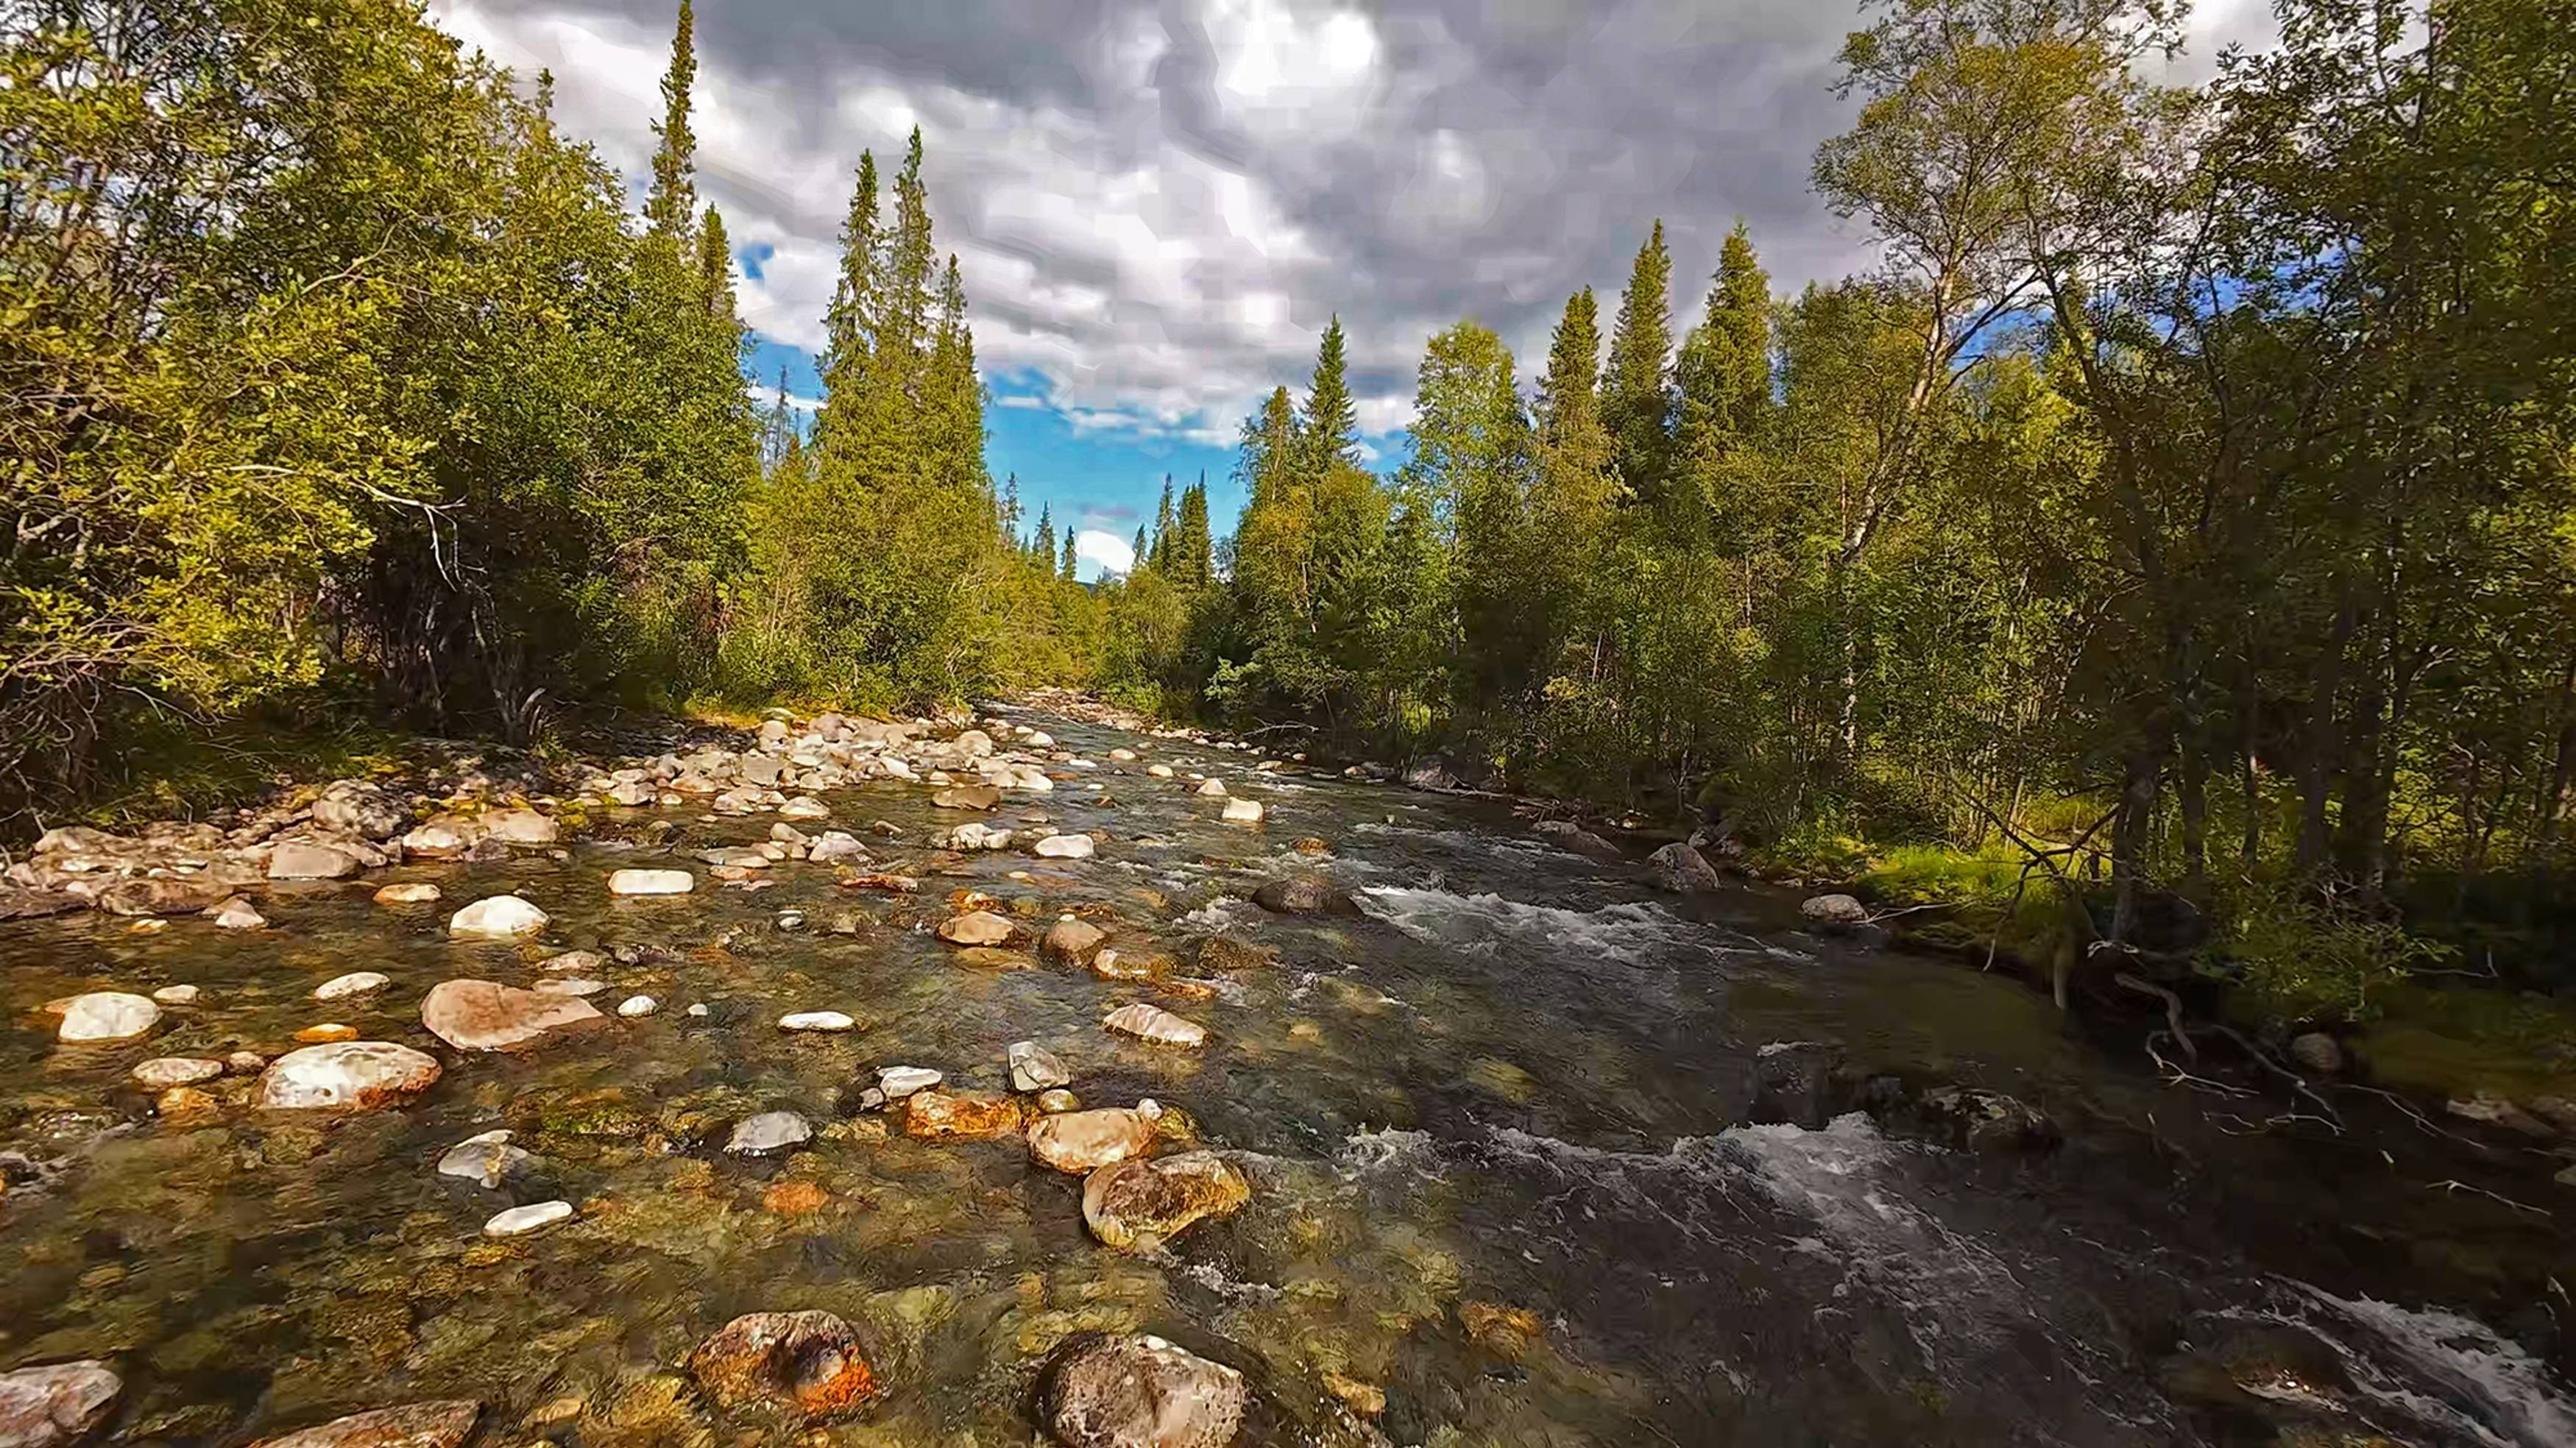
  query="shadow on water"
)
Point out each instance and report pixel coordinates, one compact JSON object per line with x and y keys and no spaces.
{"x":1542,"y":1155}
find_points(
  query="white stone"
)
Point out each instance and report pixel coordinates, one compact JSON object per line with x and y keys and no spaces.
{"x":1212,"y":789}
{"x":898,"y":1082}
{"x":497,"y":917}
{"x":534,"y":1217}
{"x":1243,"y":811}
{"x":696,"y":1009}
{"x":488,"y":1158}
{"x":1159,"y":771}
{"x":805,"y":807}
{"x":163,"y":1072}
{"x":1034,"y":1068}
{"x":356,"y":982}
{"x":107,"y":1015}
{"x":638,"y":1005}
{"x":816,"y":1021}
{"x":1153,"y":1023}
{"x":237,"y":914}
{"x":177,"y":995}
{"x":1066,"y":847}
{"x":651,"y":882}
{"x":769,"y":1131}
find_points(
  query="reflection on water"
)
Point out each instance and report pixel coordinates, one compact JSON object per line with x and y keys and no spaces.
{"x":1522,"y":1164}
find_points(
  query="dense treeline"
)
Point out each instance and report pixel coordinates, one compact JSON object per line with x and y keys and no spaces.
{"x":339,"y":383}
{"x":2191,"y":484}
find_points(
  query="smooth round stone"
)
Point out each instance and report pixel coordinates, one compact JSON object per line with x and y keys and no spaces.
{"x":534,"y":1217}
{"x":1153,"y":1023}
{"x":347,"y":1075}
{"x":1159,"y":771}
{"x":177,"y":995}
{"x":482,"y":1015}
{"x":107,"y":1015}
{"x":815,"y":1021}
{"x":1243,"y":811}
{"x":409,"y":892}
{"x":696,"y":1009}
{"x":898,"y":1082}
{"x":638,"y":1005}
{"x":162,"y":1072}
{"x":1140,"y":1392}
{"x":498,"y":917}
{"x":805,"y":808}
{"x":356,"y":982}
{"x":1058,"y":1101}
{"x":768,"y":1132}
{"x":1066,"y":847}
{"x":651,"y":882}
{"x":575,"y":986}
{"x":975,"y":927}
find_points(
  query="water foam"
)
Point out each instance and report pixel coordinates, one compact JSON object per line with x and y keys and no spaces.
{"x":1480,"y":924}
{"x":2484,"y":1385}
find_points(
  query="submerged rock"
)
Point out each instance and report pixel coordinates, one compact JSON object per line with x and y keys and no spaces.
{"x":497,"y":917}
{"x":356,"y":982}
{"x":960,"y":1116}
{"x":1072,"y":940}
{"x":824,"y":1021}
{"x":1225,"y":953}
{"x":55,"y":1403}
{"x":408,"y":892}
{"x":488,"y":1158}
{"x":810,"y":1363}
{"x":1141,"y":1392}
{"x":1567,"y":835}
{"x":976,"y":927}
{"x":770,"y":1131}
{"x":1065,"y":847}
{"x":520,"y":827}
{"x":163,"y":1072}
{"x":1153,"y":1023}
{"x":483,"y":1015}
{"x":1305,"y":895}
{"x":414,"y":1425}
{"x":966,"y":796}
{"x":534,"y":1217}
{"x":107,"y":1015}
{"x":237,"y":913}
{"x":898,"y":1082}
{"x":651,"y":882}
{"x":347,"y":1076}
{"x":1137,"y":1205}
{"x":162,"y":895}
{"x":1243,"y":811}
{"x":2316,"y":1051}
{"x":1085,"y":1141}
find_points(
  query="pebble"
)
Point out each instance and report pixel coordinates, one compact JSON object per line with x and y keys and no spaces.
{"x":166,"y":1071}
{"x":413,"y":1425}
{"x":408,"y":892}
{"x":1035,"y":1068}
{"x":534,"y":1217}
{"x":488,"y":1158}
{"x":1159,"y":771}
{"x":1058,"y":1100}
{"x":770,"y":1131}
{"x":1066,"y":847}
{"x":810,"y":1020}
{"x":898,"y":1082}
{"x":497,"y":917}
{"x":651,"y":882}
{"x":356,"y":982}
{"x":1153,"y":1023}
{"x":638,"y":1005}
{"x":698,"y":1009}
{"x":1212,"y":789}
{"x":107,"y":1015}
{"x":177,"y":995}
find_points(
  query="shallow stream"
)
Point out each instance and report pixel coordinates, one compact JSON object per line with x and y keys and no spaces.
{"x":1542,"y":1155}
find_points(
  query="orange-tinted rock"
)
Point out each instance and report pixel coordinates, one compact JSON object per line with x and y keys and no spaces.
{"x":326,"y":1032}
{"x":482,"y":1015}
{"x":1499,"y":1329}
{"x":809,"y":1363}
{"x":1085,"y":1141}
{"x":1136,"y":1205}
{"x":413,"y":1425}
{"x":793,"y":1199}
{"x":960,"y":1116}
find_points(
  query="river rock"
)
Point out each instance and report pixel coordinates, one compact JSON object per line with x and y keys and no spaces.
{"x":651,"y":882}
{"x":1159,"y":771}
{"x":1034,"y":1068}
{"x":237,"y":913}
{"x":898,"y":1082}
{"x":972,"y":836}
{"x":2316,"y":1051}
{"x":162,"y":1072}
{"x":534,"y":1217}
{"x":1978,"y":1120}
{"x":1138,"y":1204}
{"x":1243,"y":811}
{"x":805,"y":807}
{"x":1225,"y":953}
{"x":809,"y":1363}
{"x":966,"y":796}
{"x":497,"y":917}
{"x":571,"y":985}
{"x":483,"y":1015}
{"x":1567,"y":835}
{"x":1211,"y":788}
{"x":1833,"y":912}
{"x":1071,"y":939}
{"x":326,"y":1032}
{"x":358,"y":807}
{"x":1140,"y":1392}
{"x":976,"y":927}
{"x":487,"y":1157}
{"x":585,"y":962}
{"x":296,"y":860}
{"x":440,"y":839}
{"x":408,"y":892}
{"x":767,"y":1133}
{"x":346,"y":1076}
{"x":1305,"y":895}
{"x":1085,"y":1141}
{"x":1153,"y":1023}
{"x":1679,"y":868}
{"x":1113,"y":964}
{"x":177,"y":995}
{"x":636,"y":1006}
{"x":520,"y":827}
{"x":414,"y":1425}
{"x":960,"y":1116}
{"x":356,"y":982}
{"x":107,"y":1015}
{"x":824,"y":1021}
{"x":56,"y":1403}
{"x":163,"y":895}
{"x":1066,"y":847}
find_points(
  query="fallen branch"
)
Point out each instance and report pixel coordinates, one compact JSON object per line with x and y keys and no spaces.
{"x":2173,"y":1009}
{"x":2456,"y":1186}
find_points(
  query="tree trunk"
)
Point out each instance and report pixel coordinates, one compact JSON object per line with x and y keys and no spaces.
{"x":2129,"y":836}
{"x":2317,"y":761}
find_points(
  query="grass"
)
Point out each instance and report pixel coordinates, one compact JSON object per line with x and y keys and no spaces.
{"x":174,"y":771}
{"x":2462,"y":1041}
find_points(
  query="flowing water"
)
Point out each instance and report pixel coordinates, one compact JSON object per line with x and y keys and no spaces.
{"x":1519,"y":1080}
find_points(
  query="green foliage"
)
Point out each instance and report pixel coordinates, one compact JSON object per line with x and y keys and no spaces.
{"x":2305,"y":957}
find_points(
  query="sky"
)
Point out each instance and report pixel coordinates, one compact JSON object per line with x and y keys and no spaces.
{"x":1157,"y":205}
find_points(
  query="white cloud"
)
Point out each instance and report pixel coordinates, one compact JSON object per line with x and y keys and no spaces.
{"x":1107,"y":551}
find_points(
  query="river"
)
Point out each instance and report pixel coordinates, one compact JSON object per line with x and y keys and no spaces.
{"x":1542,"y":1155}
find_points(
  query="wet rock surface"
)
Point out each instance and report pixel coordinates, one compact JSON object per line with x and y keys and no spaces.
{"x":810,"y":1364}
{"x":483,"y":1015}
{"x":55,"y":1403}
{"x":414,"y":1425}
{"x":1141,"y":1392}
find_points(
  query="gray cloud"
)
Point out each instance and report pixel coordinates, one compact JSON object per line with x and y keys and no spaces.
{"x":1157,"y":205}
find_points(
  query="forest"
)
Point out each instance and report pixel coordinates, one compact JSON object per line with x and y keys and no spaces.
{"x":2178,"y":528}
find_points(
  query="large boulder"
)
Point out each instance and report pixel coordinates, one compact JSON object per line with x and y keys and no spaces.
{"x":812,"y":1364}
{"x":960,"y":1116}
{"x":1833,"y":912}
{"x":1680,"y":868}
{"x":55,"y":1403}
{"x":1305,"y":895}
{"x":1140,"y":1392}
{"x":1085,"y":1141}
{"x":347,"y":1076}
{"x":1432,"y":773}
{"x":483,"y":1015}
{"x":413,"y":1425}
{"x":362,"y":808}
{"x":1155,"y":1024}
{"x":1137,"y":1205}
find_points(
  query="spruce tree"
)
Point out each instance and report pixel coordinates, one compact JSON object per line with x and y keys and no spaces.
{"x":1329,"y":433}
{"x":1724,"y":375}
{"x":672,"y":204}
{"x":1068,"y":555}
{"x":715,"y":268}
{"x":952,"y":396}
{"x":1010,"y":511}
{"x":849,"y":328}
{"x":1636,"y":391}
{"x":1138,"y":550}
{"x":1042,"y":548}
{"x":1194,"y":556}
{"x":1162,"y":558}
{"x":903,"y":322}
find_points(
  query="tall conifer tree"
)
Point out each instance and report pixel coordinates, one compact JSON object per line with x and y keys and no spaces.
{"x":1329,"y":431}
{"x":849,"y":328}
{"x":1636,"y":391}
{"x":671,"y":207}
